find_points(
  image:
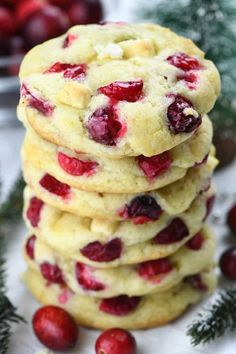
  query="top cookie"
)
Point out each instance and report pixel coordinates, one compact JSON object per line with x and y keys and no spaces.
{"x":117,"y":90}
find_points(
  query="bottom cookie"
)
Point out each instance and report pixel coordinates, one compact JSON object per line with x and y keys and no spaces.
{"x":126,"y":312}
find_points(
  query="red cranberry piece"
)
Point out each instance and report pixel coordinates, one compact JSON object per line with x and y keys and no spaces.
{"x":228,"y":263}
{"x":70,"y":38}
{"x":209,"y":205}
{"x":184,"y":62}
{"x":119,"y":306}
{"x":178,"y":120}
{"x":49,"y":22}
{"x":26,"y":9}
{"x":104,"y":127}
{"x":84,"y":12}
{"x":7,"y":22}
{"x":38,"y":103}
{"x":116,"y":341}
{"x":231,"y":219}
{"x":196,"y":242}
{"x":156,"y":165}
{"x":142,"y":209}
{"x":174,"y":232}
{"x":130,"y":91}
{"x":54,"y":186}
{"x":70,"y":71}
{"x":190,"y":79}
{"x":196,"y":282}
{"x":34,"y":210}
{"x":107,"y":252}
{"x":52,"y":273}
{"x":76,"y":167}
{"x":150,"y":269}
{"x":85,"y":278}
{"x":55,"y":328}
{"x":204,"y":160}
{"x":29,"y":247}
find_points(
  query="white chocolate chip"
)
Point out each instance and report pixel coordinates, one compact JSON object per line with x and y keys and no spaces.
{"x":112,"y":50}
{"x":190,"y":112}
{"x":103,"y":226}
{"x":44,"y":351}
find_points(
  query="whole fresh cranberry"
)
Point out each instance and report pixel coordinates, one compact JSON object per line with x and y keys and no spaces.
{"x":27,"y":8}
{"x":7,"y":22}
{"x":84,"y":12}
{"x":30,"y":245}
{"x":228,"y":263}
{"x":156,"y":165}
{"x":178,"y":117}
{"x":120,"y":305}
{"x":55,"y":328}
{"x":98,"y":252}
{"x":231,"y":219}
{"x":46,"y":23}
{"x":116,"y":341}
{"x":52,"y":273}
{"x":130,"y":91}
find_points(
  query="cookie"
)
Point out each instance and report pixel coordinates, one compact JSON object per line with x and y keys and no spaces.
{"x":126,"y":312}
{"x":134,"y":280}
{"x":173,"y":199}
{"x":102,"y":243}
{"x":127,"y":175}
{"x":117,"y":90}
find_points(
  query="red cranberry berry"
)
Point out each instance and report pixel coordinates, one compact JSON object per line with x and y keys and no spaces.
{"x":174,"y":232}
{"x":150,"y":269}
{"x":156,"y":165}
{"x":49,"y":22}
{"x":26,"y":9}
{"x":38,"y":103}
{"x":116,"y":341}
{"x":98,"y":252}
{"x":228,"y":263}
{"x":141,"y":210}
{"x":76,"y":167}
{"x":231,"y":219}
{"x":119,"y":306}
{"x":52,"y":273}
{"x":7,"y":22}
{"x":55,"y":328}
{"x":204,"y":160}
{"x":196,"y":242}
{"x":86,"y":279}
{"x":34,"y":210}
{"x":29,"y":247}
{"x":52,"y":185}
{"x":70,"y":71}
{"x":190,"y":79}
{"x":130,"y":91}
{"x":70,"y":38}
{"x":84,"y":12}
{"x":209,"y":205}
{"x":196,"y":282}
{"x":184,"y":62}
{"x":104,"y":126}
{"x":180,"y":121}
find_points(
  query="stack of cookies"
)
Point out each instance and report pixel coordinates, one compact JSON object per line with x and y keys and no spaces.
{"x":118,"y":159}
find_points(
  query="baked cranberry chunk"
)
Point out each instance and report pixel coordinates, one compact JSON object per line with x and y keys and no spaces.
{"x":150,"y":269}
{"x":70,"y":38}
{"x":52,"y":185}
{"x":130,"y":91}
{"x":184,"y":62}
{"x":209,"y":205}
{"x":38,"y":103}
{"x":196,"y":242}
{"x":119,"y":306}
{"x":231,"y":218}
{"x":141,"y":210}
{"x":52,"y":273}
{"x":76,"y":167}
{"x":34,"y":210}
{"x":190,"y":79}
{"x":196,"y":282}
{"x":29,"y":247}
{"x":98,"y":252}
{"x":156,"y":165}
{"x":174,"y":232}
{"x":179,"y":119}
{"x":70,"y":71}
{"x":86,"y":279}
{"x":104,"y":126}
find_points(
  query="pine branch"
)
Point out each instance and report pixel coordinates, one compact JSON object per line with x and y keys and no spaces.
{"x":218,"y":319}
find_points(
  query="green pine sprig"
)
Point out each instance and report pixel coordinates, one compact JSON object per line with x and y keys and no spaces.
{"x":215,"y":321}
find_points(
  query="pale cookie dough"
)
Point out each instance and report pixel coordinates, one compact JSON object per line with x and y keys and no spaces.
{"x":63,"y":97}
{"x":127,"y":175}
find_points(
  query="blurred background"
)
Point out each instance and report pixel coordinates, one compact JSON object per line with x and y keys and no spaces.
{"x":25,"y":23}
